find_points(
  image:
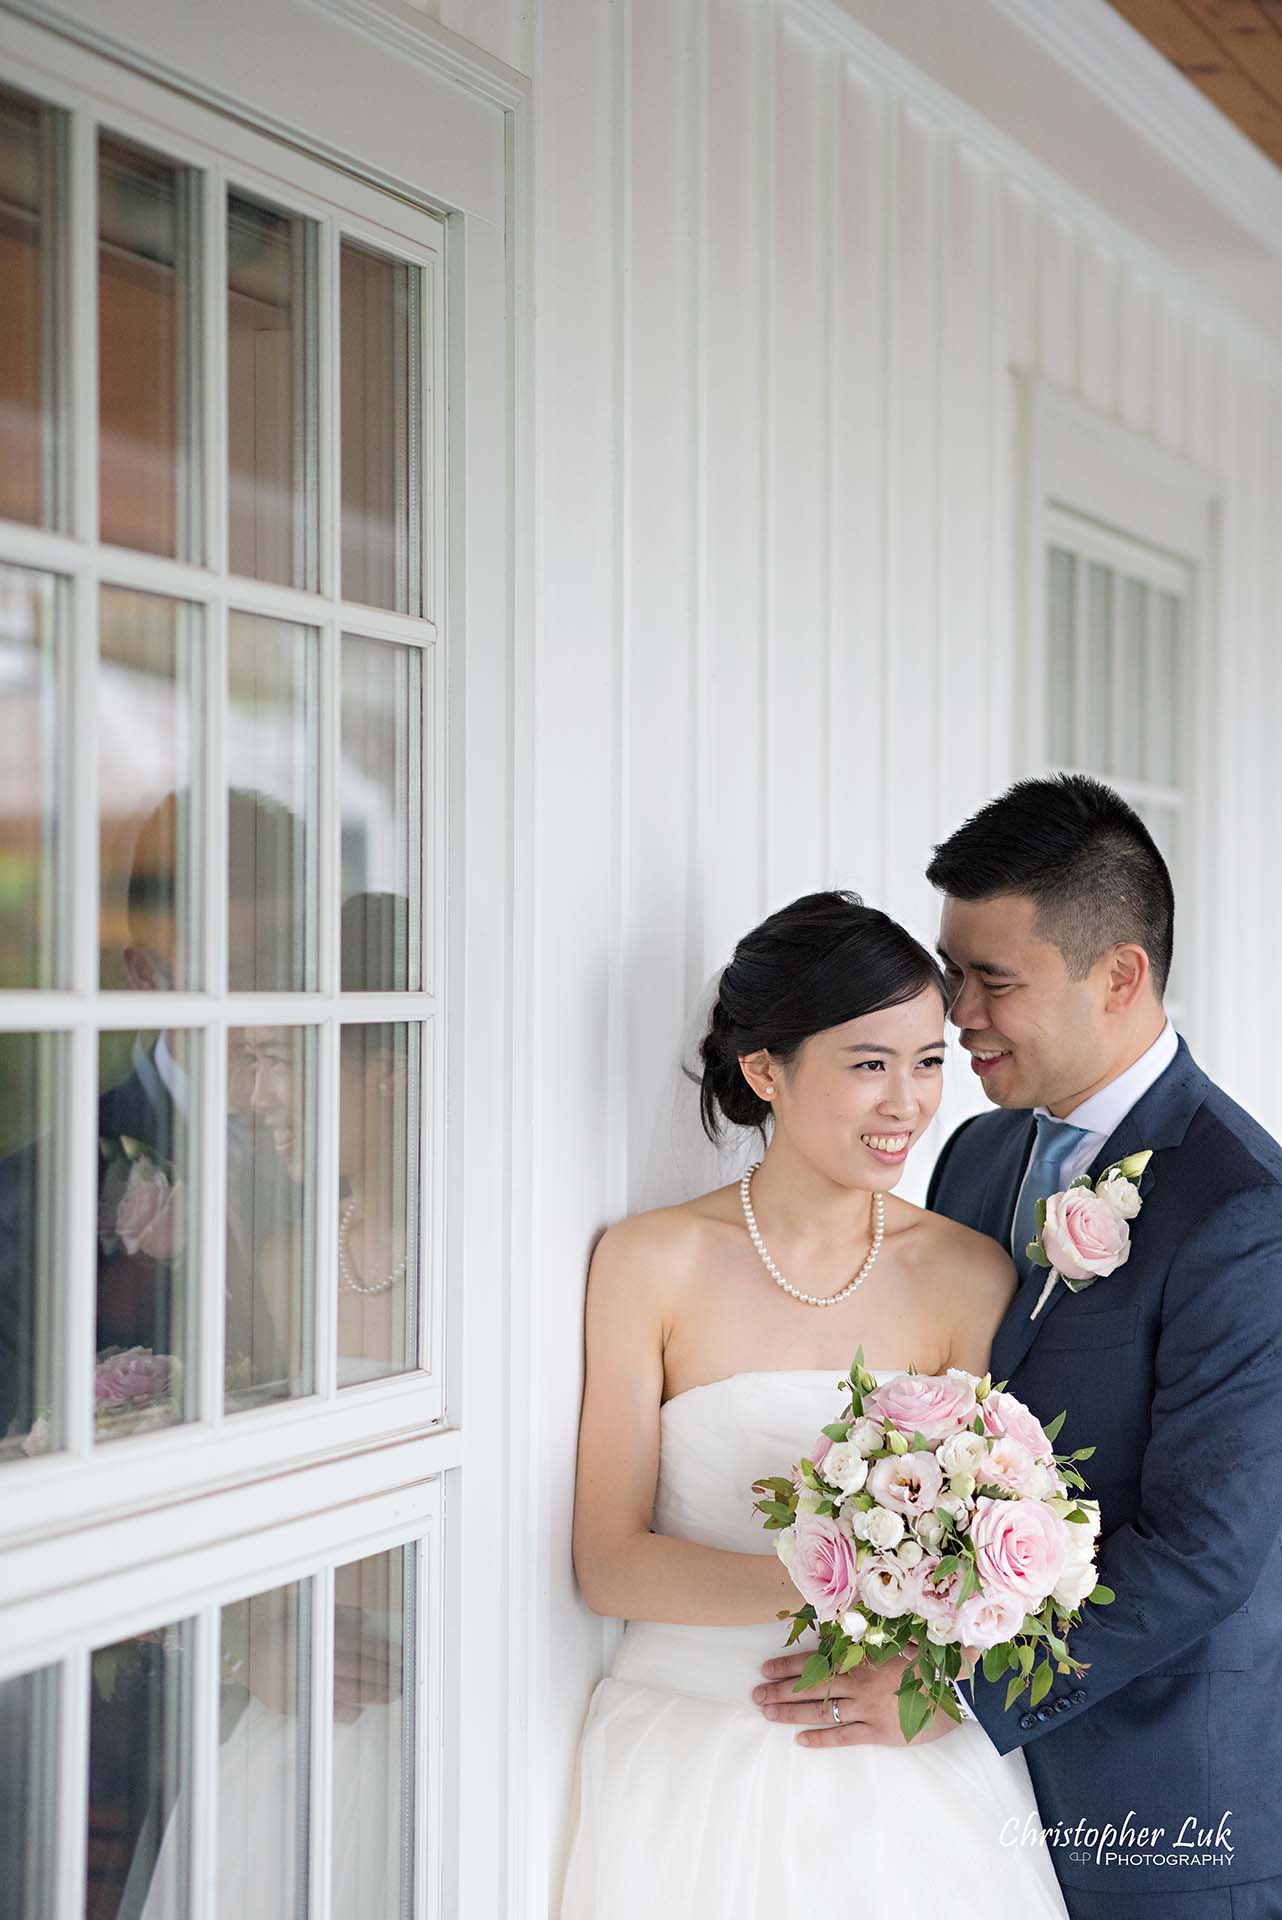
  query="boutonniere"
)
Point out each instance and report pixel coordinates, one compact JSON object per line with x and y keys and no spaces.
{"x":1084,"y":1233}
{"x":141,"y":1200}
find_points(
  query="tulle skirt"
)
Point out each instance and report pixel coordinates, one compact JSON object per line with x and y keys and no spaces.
{"x":691,"y":1806}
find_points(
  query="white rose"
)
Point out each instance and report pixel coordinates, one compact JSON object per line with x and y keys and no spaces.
{"x":967,"y":1379}
{"x":786,"y":1546}
{"x":963,"y":1453}
{"x":930,"y":1530}
{"x":881,"y":1528}
{"x":957,"y":1509}
{"x":885,"y":1587}
{"x":941,"y":1636}
{"x":1121,"y":1194}
{"x":1076,"y":1581}
{"x":866,"y":1436}
{"x":854,"y":1624}
{"x":908,"y":1553}
{"x":845,"y":1467}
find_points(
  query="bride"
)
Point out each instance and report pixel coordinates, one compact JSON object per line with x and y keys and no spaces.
{"x":716,"y":1333}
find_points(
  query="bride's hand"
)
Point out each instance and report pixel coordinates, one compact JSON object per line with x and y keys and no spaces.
{"x":866,"y":1701}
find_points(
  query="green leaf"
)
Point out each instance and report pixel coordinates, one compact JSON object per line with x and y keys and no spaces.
{"x":1041,"y":1684}
{"x":1082,"y":1180}
{"x":1035,"y":1252}
{"x":850,"y":1658}
{"x":798,"y":1628}
{"x":1014,"y":1690}
{"x":947,"y":1565}
{"x":914,"y":1711}
{"x":920,"y":1443}
{"x":816,"y":1670}
{"x":1077,"y":1518}
{"x":1083,"y":1453}
{"x":777,"y":1509}
{"x":970,"y":1582}
{"x":1052,"y":1427}
{"x":1041,"y":1215}
{"x":1026,"y":1656}
{"x":996,"y":1661}
{"x":837,"y":1431}
{"x":1102,"y":1596}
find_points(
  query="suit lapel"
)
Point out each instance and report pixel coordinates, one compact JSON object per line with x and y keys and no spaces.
{"x":1158,"y":1121}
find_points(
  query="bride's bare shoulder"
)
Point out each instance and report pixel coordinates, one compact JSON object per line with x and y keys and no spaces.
{"x":679,"y":1237}
{"x":959,"y":1254}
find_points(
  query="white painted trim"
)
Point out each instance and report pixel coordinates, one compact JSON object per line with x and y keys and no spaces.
{"x":912,"y":84}
{"x":1140,"y":85}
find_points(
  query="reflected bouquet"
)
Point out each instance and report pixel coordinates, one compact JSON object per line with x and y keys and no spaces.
{"x":934,"y":1522}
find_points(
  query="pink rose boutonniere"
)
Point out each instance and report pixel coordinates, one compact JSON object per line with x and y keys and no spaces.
{"x":141,"y":1201}
{"x":1084,"y":1233}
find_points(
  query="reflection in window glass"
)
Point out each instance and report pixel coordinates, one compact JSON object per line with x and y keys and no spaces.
{"x":381,"y":796}
{"x":374,"y":1781}
{"x":31,"y":377}
{"x":262,"y":1758}
{"x":30,"y":605}
{"x":148,"y":384}
{"x":28,"y":1741}
{"x":381,"y":452}
{"x":378,"y":1222}
{"x":139,"y":1774}
{"x":271,"y":1098}
{"x":273,"y":760}
{"x":271,"y":393}
{"x":146,"y":1232}
{"x":148,"y":769}
{"x":31,"y":1264}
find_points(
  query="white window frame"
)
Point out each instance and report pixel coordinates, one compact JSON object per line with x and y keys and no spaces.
{"x":1105,"y":491}
{"x":215,"y":1511}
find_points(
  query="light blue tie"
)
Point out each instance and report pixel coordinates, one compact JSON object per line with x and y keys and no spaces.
{"x":1054,"y":1144}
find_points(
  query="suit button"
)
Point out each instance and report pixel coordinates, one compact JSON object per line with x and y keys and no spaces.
{"x":1064,"y":1706}
{"x":1078,"y":1697}
{"x":1027,"y":1721}
{"x":1044,"y":1713}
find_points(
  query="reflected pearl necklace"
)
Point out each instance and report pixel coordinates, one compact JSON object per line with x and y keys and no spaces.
{"x":812,"y":1299}
{"x":348,"y":1282}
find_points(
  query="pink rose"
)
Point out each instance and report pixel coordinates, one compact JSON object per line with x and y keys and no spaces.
{"x":1011,"y":1465}
{"x":1084,"y":1238}
{"x":933,"y":1405}
{"x":1003,"y":1413}
{"x":137,"y":1374}
{"x":1020,"y":1548}
{"x":822,"y":1564}
{"x":907,"y":1483}
{"x":149,"y":1218}
{"x":988,"y":1619}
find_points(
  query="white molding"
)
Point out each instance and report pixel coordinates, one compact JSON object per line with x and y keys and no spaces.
{"x":1137,"y":82}
{"x":1197,"y":296}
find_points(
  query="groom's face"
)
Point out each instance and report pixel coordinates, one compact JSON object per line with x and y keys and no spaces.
{"x":1036,"y":1036}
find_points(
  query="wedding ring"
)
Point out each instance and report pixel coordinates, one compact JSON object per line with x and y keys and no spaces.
{"x":836,"y":1711}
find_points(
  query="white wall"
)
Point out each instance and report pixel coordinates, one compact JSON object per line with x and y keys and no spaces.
{"x":782,"y":287}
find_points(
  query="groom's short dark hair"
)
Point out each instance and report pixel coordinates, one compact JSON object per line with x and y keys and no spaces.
{"x":1082,"y":854}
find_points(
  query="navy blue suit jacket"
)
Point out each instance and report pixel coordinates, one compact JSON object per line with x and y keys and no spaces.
{"x":1172,"y":1369}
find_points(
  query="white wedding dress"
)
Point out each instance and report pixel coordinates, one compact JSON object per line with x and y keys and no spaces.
{"x":692,"y":1806}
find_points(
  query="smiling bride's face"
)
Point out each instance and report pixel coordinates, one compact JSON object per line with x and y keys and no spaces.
{"x":856,"y":1098}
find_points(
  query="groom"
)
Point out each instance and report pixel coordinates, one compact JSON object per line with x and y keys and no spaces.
{"x":1056,"y":938}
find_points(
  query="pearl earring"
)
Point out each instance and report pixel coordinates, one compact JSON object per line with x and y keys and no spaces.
{"x":770,"y":1087}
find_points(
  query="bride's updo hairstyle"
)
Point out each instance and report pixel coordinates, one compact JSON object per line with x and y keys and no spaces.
{"x":823,"y":960}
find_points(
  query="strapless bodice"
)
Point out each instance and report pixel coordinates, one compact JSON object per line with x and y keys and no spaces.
{"x":715,"y":1440}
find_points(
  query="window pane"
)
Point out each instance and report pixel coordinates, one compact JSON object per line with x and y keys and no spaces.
{"x":1095,"y":748}
{"x":262,"y":1758}
{"x":139,"y":1775}
{"x":382,"y":815}
{"x":1131,"y":666}
{"x":147,"y":1232}
{"x":273,"y":760}
{"x":378,"y":1223}
{"x":148,"y":768}
{"x":28,"y":1741}
{"x":148,"y":382}
{"x":1164,"y":677}
{"x":32,"y":198}
{"x":1061,"y":687}
{"x":31,"y":1247}
{"x":30,"y":609}
{"x":271,"y":1187}
{"x":271,"y":392}
{"x":373,"y":1737}
{"x":381,"y":456}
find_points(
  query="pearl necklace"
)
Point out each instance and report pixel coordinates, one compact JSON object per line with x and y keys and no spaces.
{"x":348,"y":1282}
{"x":812,"y":1299}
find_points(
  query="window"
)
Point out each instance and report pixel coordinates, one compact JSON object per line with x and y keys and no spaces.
{"x":222,"y":1018}
{"x":1120,"y":538}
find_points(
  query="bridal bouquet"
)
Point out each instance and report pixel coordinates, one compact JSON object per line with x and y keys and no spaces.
{"x":936,"y":1516}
